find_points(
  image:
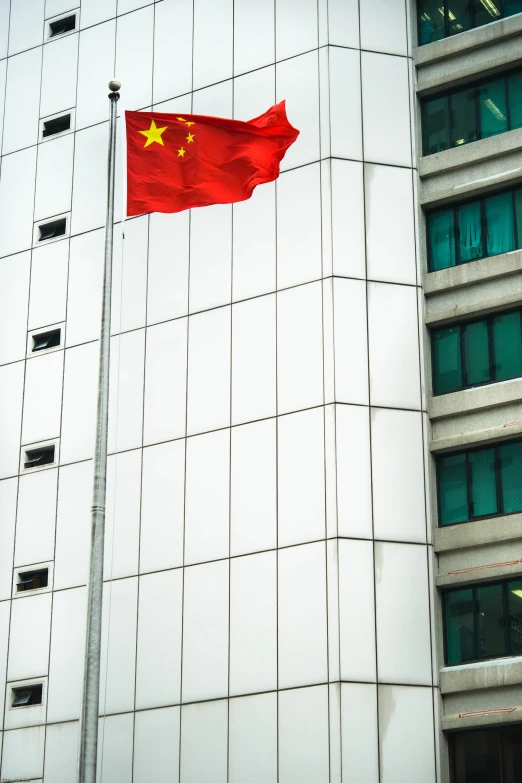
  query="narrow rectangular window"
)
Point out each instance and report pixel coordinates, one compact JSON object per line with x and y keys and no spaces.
{"x":35,"y":458}
{"x":469,"y":219}
{"x":514,"y":87}
{"x":464,"y":120}
{"x":62,"y":26}
{"x":483,"y":483}
{"x":460,"y":626}
{"x":515,"y":618}
{"x":436,"y":125}
{"x":510,"y":457}
{"x":453,"y":489}
{"x":447,"y":360}
{"x":476,"y":351}
{"x":32,"y":580}
{"x":431,"y":21}
{"x":491,"y":622}
{"x":486,"y":11}
{"x":493,"y":108}
{"x":441,"y":238}
{"x":27,"y":696}
{"x":507,"y":346}
{"x":517,"y":197}
{"x":499,"y":220}
{"x":45,"y":340}
{"x":459,"y":16}
{"x":55,"y":228}
{"x":57,"y":125}
{"x":476,"y":756}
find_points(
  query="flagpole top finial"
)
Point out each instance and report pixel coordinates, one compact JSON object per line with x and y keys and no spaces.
{"x":114,"y":85}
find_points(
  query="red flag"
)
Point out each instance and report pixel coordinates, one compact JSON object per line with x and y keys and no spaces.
{"x":175,"y":162}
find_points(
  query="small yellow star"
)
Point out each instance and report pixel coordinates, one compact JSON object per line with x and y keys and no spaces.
{"x":153,"y":134}
{"x":181,"y":152}
{"x":189,"y":124}
{"x":190,"y":137}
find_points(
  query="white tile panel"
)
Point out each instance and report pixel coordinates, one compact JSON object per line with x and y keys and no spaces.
{"x":390,"y":235}
{"x":26,"y":26}
{"x":253,"y":266}
{"x":14,"y":273}
{"x":356,"y":611}
{"x":23,"y":752}
{"x":359,"y":740}
{"x":299,"y":348}
{"x":61,"y":750}
{"x":122,"y":524}
{"x":158,"y":661}
{"x":210,"y":255}
{"x":29,"y":660}
{"x":303,"y":735}
{"x":67,"y":654}
{"x":116,"y":732}
{"x":253,"y":623}
{"x":59,"y":70}
{"x":95,"y":68}
{"x":4,"y":639}
{"x":406,"y":734}
{"x":398,"y":476}
{"x":253,"y":35}
{"x":156,"y":746}
{"x":253,"y":488}
{"x":384,"y":26}
{"x":403,"y":614}
{"x":167,"y":284}
{"x":8,"y":490}
{"x":11,"y":396}
{"x":96,"y":11}
{"x":345,"y":103}
{"x":129,"y":276}
{"x":212,"y":22}
{"x":3,"y":71}
{"x":172,"y":49}
{"x":296,"y":27}
{"x":21,"y":116}
{"x":126,"y":391}
{"x":90,"y":178}
{"x":79,"y":403}
{"x":118,"y":650}
{"x":299,"y":226}
{"x":386,"y":111}
{"x":165,"y":381}
{"x":301,"y":479}
{"x":302,"y":615}
{"x":205,"y":631}
{"x":254,"y":359}
{"x":73,"y":525}
{"x":343,"y":23}
{"x":42,"y":398}
{"x":348,"y":242}
{"x":134,"y":34}
{"x":163,"y":482}
{"x":47,"y":301}
{"x":36,"y":518}
{"x":350,"y":341}
{"x":253,"y":739}
{"x":16,"y":201}
{"x":56,"y":7}
{"x":297,"y":82}
{"x":207,"y":505}
{"x":85,"y":287}
{"x":394,"y":346}
{"x":209,"y":371}
{"x":204,"y":726}
{"x":5,"y":7}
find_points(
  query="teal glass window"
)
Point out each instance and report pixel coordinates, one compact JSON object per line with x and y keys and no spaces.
{"x":491,"y":755}
{"x":480,"y":483}
{"x":447,"y":360}
{"x":451,"y":17}
{"x":507,"y":346}
{"x":476,"y":349}
{"x":476,"y":229}
{"x":431,"y":21}
{"x":478,"y":111}
{"x":483,"y":622}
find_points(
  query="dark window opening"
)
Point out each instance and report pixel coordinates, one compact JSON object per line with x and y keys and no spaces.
{"x":443,"y":18}
{"x":27,"y":695}
{"x":58,"y":125}
{"x":36,"y":457}
{"x":46,"y":340}
{"x":32,"y":580}
{"x":50,"y":230}
{"x":62,"y":26}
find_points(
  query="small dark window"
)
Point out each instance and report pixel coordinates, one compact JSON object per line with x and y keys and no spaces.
{"x":36,"y":457}
{"x":27,"y":695}
{"x":62,"y":26}
{"x":46,"y":340}
{"x":50,"y":230}
{"x":58,"y":125}
{"x":32,"y":580}
{"x":442,"y":18}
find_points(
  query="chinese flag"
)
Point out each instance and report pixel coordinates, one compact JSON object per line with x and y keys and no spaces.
{"x":175,"y":162}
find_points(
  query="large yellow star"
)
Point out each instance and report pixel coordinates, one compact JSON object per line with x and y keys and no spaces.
{"x":190,"y":137}
{"x":153,"y":134}
{"x":181,"y":152}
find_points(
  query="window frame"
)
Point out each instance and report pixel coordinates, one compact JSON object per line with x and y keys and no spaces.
{"x":498,"y":731}
{"x":447,"y":33}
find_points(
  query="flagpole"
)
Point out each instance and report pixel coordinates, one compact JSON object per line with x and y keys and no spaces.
{"x":87,"y":759}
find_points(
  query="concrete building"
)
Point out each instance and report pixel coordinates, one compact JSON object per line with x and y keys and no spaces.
{"x":314,"y":518}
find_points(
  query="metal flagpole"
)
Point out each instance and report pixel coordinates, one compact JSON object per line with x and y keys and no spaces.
{"x":91,"y":684}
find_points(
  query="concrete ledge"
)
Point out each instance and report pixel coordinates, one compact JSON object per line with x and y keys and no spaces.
{"x":474,"y":272}
{"x":467,"y":400}
{"x":479,"y":533}
{"x":459,"y":311}
{"x":475,"y":151}
{"x":475,"y":720}
{"x":486,"y":573}
{"x":485,"y":674}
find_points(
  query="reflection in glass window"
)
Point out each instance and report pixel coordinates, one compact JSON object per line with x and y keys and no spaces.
{"x":450,"y":17}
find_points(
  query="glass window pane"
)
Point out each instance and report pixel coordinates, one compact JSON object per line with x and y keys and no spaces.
{"x":447,"y":363}
{"x":476,"y":757}
{"x":486,"y":11}
{"x":515,"y":94}
{"x":512,"y":754}
{"x":459,"y":626}
{"x":512,"y":7}
{"x":515,"y":617}
{"x":499,"y":222}
{"x":453,"y":490}
{"x":470,"y":232}
{"x":476,"y":351}
{"x":441,"y":232}
{"x":459,"y":12}
{"x":483,"y":483}
{"x":463,"y":117}
{"x":510,"y":456}
{"x":493,"y":109}
{"x":431,"y":21}
{"x":491,"y":621}
{"x":435,"y":124}
{"x":507,"y":346}
{"x":518,"y":215}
